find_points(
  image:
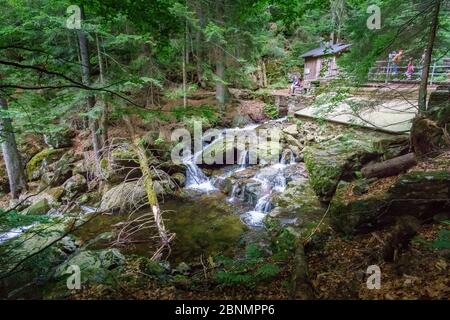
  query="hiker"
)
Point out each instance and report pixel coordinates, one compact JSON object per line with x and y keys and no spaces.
{"x":395,"y":62}
{"x":410,"y":69}
{"x":390,"y":57}
{"x":296,"y":83}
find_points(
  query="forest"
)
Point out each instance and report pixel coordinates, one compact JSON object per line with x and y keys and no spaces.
{"x":225,"y":149}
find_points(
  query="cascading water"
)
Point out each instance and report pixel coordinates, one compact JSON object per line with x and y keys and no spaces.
{"x":272,"y":178}
{"x":195,"y":178}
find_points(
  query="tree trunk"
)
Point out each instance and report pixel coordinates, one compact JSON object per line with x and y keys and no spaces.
{"x":11,"y":156}
{"x":86,"y":75}
{"x":426,"y":65}
{"x":389,"y":167}
{"x":222,"y":93}
{"x":199,"y":45}
{"x":152,"y":198}
{"x":104,"y":117}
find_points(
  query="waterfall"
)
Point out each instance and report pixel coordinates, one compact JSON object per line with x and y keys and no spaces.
{"x":287,"y":154}
{"x":195,"y":178}
{"x":271,"y":183}
{"x":243,"y":161}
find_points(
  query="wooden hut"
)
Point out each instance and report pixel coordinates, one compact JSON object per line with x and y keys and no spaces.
{"x":320,"y":63}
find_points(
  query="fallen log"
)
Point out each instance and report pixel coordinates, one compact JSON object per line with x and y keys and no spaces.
{"x":301,"y":287}
{"x":389,"y":167}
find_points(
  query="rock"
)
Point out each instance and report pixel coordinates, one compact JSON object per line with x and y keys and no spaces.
{"x":298,"y":206}
{"x":336,"y":159}
{"x":38,"y":208}
{"x":75,"y":184}
{"x":38,"y":266}
{"x":439,"y":106}
{"x":293,"y":142}
{"x":59,"y":139}
{"x":361,"y":187}
{"x":358,"y":215}
{"x":37,"y":165}
{"x":291,"y":130}
{"x":183,"y":268}
{"x":427,"y":137}
{"x":96,"y":267}
{"x":56,"y":194}
{"x":240,"y":120}
{"x":418,"y":194}
{"x":392,"y":147}
{"x":92,"y":263}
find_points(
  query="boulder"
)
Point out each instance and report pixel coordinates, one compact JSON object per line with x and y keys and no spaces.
{"x":298,"y":206}
{"x":336,"y":159}
{"x":59,"y":139}
{"x":75,"y":184}
{"x":439,"y":105}
{"x":37,"y":165}
{"x":39,"y":207}
{"x":291,"y":130}
{"x":179,"y":179}
{"x":427,"y":137}
{"x":92,"y":263}
{"x":420,"y":194}
{"x":45,"y":246}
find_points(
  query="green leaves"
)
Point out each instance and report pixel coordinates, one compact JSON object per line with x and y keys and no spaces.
{"x":443,"y":240}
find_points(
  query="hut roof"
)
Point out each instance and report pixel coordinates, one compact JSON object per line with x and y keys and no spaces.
{"x":326,"y":50}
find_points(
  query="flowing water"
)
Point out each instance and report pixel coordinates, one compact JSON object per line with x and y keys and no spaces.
{"x":271,"y":178}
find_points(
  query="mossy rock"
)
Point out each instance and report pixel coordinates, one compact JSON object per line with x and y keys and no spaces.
{"x":422,"y":185}
{"x":419,"y":194}
{"x":330,"y":161}
{"x":299,"y":207}
{"x":95,"y":266}
{"x":439,"y":106}
{"x":357,"y":215}
{"x":39,"y":207}
{"x":47,"y":155}
{"x":59,"y":139}
{"x":38,"y":250}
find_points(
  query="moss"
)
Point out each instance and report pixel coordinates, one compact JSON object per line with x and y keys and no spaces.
{"x":324,"y":171}
{"x":46,"y":154}
{"x":356,"y":215}
{"x":122,"y":154}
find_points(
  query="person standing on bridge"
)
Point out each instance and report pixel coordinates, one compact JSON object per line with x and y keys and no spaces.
{"x":395,"y":62}
{"x":410,"y":69}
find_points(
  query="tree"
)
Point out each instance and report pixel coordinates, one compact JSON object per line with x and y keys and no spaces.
{"x":86,"y":75}
{"x":427,"y":62}
{"x":13,"y":161}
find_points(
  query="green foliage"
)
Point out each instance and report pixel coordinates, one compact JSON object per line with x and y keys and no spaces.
{"x":271,"y":110}
{"x":248,"y":271}
{"x":13,"y":219}
{"x":443,"y":240}
{"x":283,"y":245}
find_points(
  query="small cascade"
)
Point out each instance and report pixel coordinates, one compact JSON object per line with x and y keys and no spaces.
{"x":243,"y":161}
{"x":287,"y":157}
{"x":195,"y":178}
{"x":233,"y":193}
{"x":263,"y":204}
{"x":272,"y":181}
